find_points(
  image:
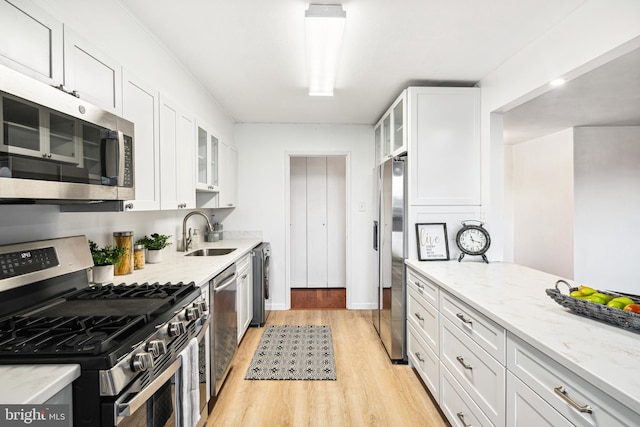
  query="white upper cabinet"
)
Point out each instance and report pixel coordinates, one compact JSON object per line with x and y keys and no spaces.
{"x":227,"y":197}
{"x":177,"y":139}
{"x":207,"y":155}
{"x":390,"y":131}
{"x":140,"y":105}
{"x":31,"y":41}
{"x":90,"y":74}
{"x":444,"y":146}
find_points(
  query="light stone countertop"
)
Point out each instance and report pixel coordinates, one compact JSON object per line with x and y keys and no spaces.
{"x":24,"y":384}
{"x":514,"y":297}
{"x":34,"y":384}
{"x":176,"y":267}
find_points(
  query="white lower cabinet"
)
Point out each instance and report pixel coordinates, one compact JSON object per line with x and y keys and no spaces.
{"x":244,"y":298}
{"x":424,"y":360}
{"x":575,"y":399}
{"x":482,"y":376}
{"x":459,"y":408}
{"x":526,"y":409}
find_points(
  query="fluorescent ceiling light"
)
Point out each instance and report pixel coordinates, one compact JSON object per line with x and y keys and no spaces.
{"x":324,"y":25}
{"x":557,"y":82}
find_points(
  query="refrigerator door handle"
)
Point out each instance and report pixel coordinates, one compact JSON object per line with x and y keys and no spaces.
{"x":375,"y":235}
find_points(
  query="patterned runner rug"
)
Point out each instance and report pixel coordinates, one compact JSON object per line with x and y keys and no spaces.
{"x":294,"y":353}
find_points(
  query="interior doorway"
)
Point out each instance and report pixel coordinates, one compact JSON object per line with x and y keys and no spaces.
{"x":317,"y":231}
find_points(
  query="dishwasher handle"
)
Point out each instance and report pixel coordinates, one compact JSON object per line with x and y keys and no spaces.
{"x":224,"y":285}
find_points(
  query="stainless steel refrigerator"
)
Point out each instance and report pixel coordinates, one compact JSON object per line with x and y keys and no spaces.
{"x":390,"y":242}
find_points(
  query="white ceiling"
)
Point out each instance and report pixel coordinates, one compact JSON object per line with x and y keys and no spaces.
{"x":606,"y":96}
{"x":249,"y":54}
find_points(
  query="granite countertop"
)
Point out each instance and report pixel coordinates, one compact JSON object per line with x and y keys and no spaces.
{"x":514,"y":297}
{"x":176,"y":267}
{"x":34,"y":384}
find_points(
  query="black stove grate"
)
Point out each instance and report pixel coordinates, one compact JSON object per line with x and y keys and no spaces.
{"x":66,"y":335}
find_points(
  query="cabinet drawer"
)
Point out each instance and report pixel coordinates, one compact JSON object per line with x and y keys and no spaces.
{"x":457,"y":405}
{"x":485,"y":332}
{"x":424,"y":360}
{"x":423,"y":286}
{"x":481,"y":375}
{"x":526,"y":409}
{"x":559,"y":387}
{"x":424,"y":317}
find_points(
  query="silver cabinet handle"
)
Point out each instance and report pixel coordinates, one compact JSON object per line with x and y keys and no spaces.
{"x":460,"y":416}
{"x":419,"y":356}
{"x":129,"y":206}
{"x":418,"y":316}
{"x":562,"y":392}
{"x":419,"y":285}
{"x":464,"y":319}
{"x":463,"y":363}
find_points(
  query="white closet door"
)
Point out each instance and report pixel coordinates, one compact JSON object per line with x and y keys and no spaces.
{"x":336,"y":222}
{"x":298,"y":226}
{"x":317,"y":222}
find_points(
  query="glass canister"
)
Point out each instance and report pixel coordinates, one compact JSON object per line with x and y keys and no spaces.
{"x":124,"y":239}
{"x":138,"y":257}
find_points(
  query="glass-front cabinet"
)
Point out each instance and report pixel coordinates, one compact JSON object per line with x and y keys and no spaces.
{"x":207,"y":161}
{"x":390,"y":131}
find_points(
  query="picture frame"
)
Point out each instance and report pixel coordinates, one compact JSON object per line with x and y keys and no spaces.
{"x":432,"y":241}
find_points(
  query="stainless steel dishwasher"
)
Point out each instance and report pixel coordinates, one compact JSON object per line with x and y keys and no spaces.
{"x":224,"y":329}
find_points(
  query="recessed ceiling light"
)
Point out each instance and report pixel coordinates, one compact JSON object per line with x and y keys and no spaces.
{"x":557,"y":82}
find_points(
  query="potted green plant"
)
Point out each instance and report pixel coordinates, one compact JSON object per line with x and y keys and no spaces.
{"x":104,"y":259}
{"x":154,"y":246}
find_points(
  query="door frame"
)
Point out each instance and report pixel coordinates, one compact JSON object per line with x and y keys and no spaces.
{"x":287,"y":216}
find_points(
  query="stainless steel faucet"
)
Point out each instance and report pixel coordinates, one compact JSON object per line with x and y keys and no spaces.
{"x":186,"y":240}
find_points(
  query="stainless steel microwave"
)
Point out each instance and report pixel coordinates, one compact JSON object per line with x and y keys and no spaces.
{"x":57,"y":148}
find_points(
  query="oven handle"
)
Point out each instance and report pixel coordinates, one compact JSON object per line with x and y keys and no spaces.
{"x":224,"y":285}
{"x":129,"y":408}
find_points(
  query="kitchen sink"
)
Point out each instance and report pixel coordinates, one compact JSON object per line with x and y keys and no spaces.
{"x":211,"y":252}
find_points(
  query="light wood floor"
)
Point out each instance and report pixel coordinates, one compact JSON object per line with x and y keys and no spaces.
{"x":369,"y":391}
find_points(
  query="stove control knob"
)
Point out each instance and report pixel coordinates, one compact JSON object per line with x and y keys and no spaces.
{"x":141,"y":361}
{"x":201,"y":305}
{"x":176,"y":328}
{"x":157,"y":348}
{"x":192,"y":313}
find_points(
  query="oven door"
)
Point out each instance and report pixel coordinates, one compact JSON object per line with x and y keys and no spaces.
{"x":155,"y":405}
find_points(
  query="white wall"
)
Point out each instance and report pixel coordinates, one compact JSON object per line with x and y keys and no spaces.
{"x":108,"y":26}
{"x":263,"y":151}
{"x":594,"y":33}
{"x":542,"y":196}
{"x":607,"y":207}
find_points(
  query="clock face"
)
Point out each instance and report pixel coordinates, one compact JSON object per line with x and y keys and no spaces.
{"x":473,"y":240}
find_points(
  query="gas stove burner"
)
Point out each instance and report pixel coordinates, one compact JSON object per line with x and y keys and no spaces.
{"x":65,"y":335}
{"x":122,"y":291}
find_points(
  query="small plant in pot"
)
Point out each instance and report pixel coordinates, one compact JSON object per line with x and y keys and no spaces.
{"x":104,"y":259}
{"x":154,"y":246}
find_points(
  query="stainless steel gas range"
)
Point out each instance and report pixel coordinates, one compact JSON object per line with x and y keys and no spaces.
{"x":129,"y":340}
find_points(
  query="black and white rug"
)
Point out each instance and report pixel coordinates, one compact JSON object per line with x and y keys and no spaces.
{"x":294,"y":353}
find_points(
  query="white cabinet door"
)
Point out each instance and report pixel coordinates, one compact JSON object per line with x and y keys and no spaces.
{"x":185,"y":147}
{"x":336,"y":222}
{"x":91,"y":74}
{"x":207,"y":155}
{"x":298,"y":218}
{"x":317,"y":222}
{"x":140,"y":105}
{"x":444,"y":146}
{"x":398,"y":125}
{"x":228,"y":176}
{"x":31,"y":41}
{"x":241,"y":306}
{"x":526,"y":409}
{"x":177,"y":139}
{"x":244,"y":298}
